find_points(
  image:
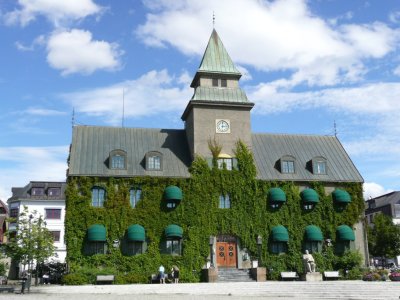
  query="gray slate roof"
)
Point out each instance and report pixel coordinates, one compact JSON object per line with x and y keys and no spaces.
{"x":92,"y":145}
{"x":24,"y":193}
{"x":390,"y":198}
{"x":269,"y":148}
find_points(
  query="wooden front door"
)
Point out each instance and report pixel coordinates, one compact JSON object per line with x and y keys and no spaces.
{"x":226,"y":254}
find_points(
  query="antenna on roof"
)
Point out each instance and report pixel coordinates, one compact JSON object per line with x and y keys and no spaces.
{"x":213,"y":20}
{"x":123,"y":106}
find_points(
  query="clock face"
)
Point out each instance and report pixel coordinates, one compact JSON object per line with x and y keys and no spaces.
{"x":222,"y":126}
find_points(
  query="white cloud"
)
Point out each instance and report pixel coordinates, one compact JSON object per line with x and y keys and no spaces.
{"x":278,"y":35}
{"x":76,"y":52}
{"x":153,"y":93}
{"x":23,"y":164}
{"x":397,"y":71}
{"x":372,"y":190}
{"x":57,"y":12}
{"x":40,"y":40}
{"x":43,"y":112}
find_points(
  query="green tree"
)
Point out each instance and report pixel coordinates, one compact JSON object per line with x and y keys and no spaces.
{"x":384,"y":237}
{"x":31,"y":242}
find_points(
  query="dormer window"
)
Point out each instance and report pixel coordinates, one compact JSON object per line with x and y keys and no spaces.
{"x":54,"y":192}
{"x":37,"y":191}
{"x":287,"y":164}
{"x":118,"y":159}
{"x":154,"y":161}
{"x":319,"y":166}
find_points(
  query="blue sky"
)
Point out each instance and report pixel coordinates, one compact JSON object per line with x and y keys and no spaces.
{"x":306,"y":65}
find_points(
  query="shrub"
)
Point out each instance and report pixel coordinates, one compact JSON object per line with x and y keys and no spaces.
{"x":74,"y":279}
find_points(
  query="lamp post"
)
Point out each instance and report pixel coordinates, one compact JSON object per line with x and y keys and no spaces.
{"x":28,"y":282}
{"x":211,"y":243}
{"x":259,"y":244}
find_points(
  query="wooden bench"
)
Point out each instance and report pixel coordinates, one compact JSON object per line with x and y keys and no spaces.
{"x":289,"y":276}
{"x":8,"y":289}
{"x":331,"y":275}
{"x":105,"y":279}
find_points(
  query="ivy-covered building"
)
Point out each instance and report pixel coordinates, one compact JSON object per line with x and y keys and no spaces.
{"x":213,"y":193}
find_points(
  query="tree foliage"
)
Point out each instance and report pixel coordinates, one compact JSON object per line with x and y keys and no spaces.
{"x":31,"y":241}
{"x":384,"y":237}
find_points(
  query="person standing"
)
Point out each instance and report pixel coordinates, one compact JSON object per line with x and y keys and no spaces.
{"x":176,"y":274}
{"x":161,"y":272}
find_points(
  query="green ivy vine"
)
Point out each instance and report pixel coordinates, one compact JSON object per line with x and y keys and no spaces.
{"x":199,"y":216}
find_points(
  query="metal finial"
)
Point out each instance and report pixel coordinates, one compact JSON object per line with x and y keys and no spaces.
{"x":213,"y":19}
{"x":334,"y":127}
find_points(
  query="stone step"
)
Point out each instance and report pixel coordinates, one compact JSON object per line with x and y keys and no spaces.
{"x":233,"y":275}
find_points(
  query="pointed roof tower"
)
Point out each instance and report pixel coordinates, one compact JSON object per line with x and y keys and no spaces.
{"x":216,"y":60}
{"x":217,"y":78}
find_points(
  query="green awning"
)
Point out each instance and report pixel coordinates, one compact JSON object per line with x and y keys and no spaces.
{"x":280,"y":234}
{"x":276,"y":195}
{"x":313,"y":233}
{"x":309,"y":196}
{"x":172,"y":193}
{"x":341,"y":196}
{"x":96,"y":233}
{"x":173,"y":231}
{"x":136,"y":233}
{"x":345,"y":233}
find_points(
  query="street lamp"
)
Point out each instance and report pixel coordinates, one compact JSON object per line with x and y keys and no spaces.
{"x":211,"y":243}
{"x":30,"y":260}
{"x":259,"y":244}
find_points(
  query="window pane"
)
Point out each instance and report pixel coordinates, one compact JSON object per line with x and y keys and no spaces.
{"x":223,"y":83}
{"x":56,"y":236}
{"x":224,"y":201}
{"x":13,"y":212}
{"x":118,"y":162}
{"x":135,"y":248}
{"x":321,"y":167}
{"x":98,"y":197}
{"x":134,"y":196}
{"x":51,"y":213}
{"x":154,"y":163}
{"x":227,"y":162}
{"x":53,"y":192}
{"x":96,"y":247}
{"x":214,"y":82}
{"x":37,"y":191}
{"x":287,"y":166}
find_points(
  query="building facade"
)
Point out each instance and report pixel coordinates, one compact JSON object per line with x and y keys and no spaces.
{"x":211,"y":194}
{"x":47,"y":199}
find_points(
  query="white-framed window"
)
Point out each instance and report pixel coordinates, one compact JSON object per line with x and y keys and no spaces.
{"x":135,"y":194}
{"x":288,"y":166}
{"x":154,"y":161}
{"x":224,"y":201}
{"x":117,"y":159}
{"x":173,"y":246}
{"x":225,"y":163}
{"x":98,"y":196}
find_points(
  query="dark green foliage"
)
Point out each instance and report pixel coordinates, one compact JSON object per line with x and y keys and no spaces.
{"x":384,"y":237}
{"x":74,"y":279}
{"x":199,"y":216}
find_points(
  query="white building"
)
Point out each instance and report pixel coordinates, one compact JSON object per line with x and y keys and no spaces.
{"x":48,"y":200}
